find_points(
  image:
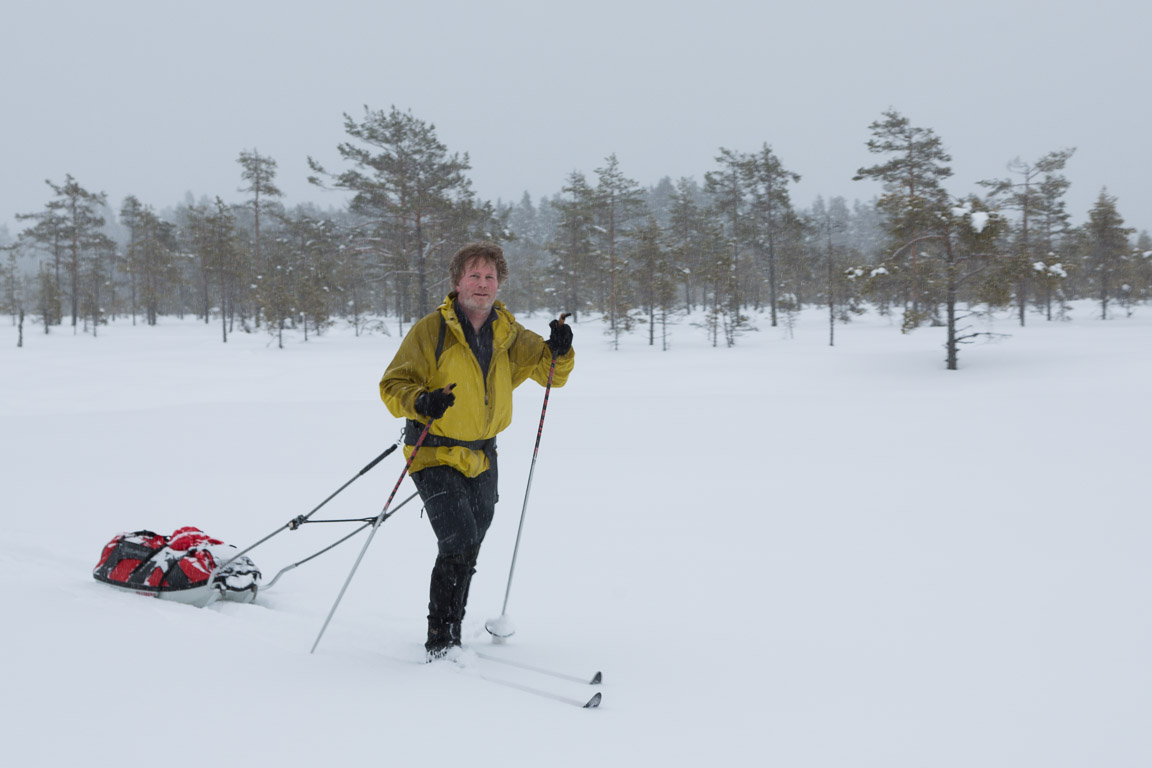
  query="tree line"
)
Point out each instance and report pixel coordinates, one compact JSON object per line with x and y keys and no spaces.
{"x":723,"y":249}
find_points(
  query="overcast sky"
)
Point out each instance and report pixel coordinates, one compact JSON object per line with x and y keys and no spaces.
{"x":156,"y":98}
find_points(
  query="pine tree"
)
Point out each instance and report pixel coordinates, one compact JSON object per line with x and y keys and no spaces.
{"x":276,"y":286}
{"x":972,"y":262}
{"x":11,"y":289}
{"x":313,"y":245}
{"x":653,"y":274}
{"x":832,"y":225}
{"x":48,"y":294}
{"x":617,"y":202}
{"x":131,"y":211}
{"x":213,"y":238}
{"x":1035,"y":193}
{"x":73,"y":224}
{"x":158,"y":271}
{"x":659,"y":200}
{"x":571,"y":246}
{"x":914,"y":198}
{"x":794,"y":266}
{"x":686,"y":224}
{"x":82,"y":232}
{"x":148,"y":258}
{"x":259,"y":174}
{"x":767,"y":181}
{"x":12,"y":286}
{"x":527,"y":255}
{"x":866,"y":230}
{"x":724,"y":314}
{"x":94,"y":278}
{"x":47,"y":235}
{"x":409,"y":189}
{"x":716,"y":274}
{"x":729,"y":202}
{"x":1138,"y":274}
{"x":1107,"y":249}
{"x":359,"y":296}
{"x":1053,"y":229}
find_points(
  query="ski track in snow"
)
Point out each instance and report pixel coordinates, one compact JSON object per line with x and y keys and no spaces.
{"x":784,"y":552}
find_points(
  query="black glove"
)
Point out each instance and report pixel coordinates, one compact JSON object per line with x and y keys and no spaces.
{"x":561,"y":339}
{"x":434,"y":403}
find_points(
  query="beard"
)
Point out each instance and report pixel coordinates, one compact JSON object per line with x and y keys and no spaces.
{"x":476,"y":305}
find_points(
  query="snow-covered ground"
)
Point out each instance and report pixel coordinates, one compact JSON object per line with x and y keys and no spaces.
{"x":781,"y":554}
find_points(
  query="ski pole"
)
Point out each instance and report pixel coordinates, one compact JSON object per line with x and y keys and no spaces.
{"x":295,"y":522}
{"x":376,"y":524}
{"x":500,"y":628}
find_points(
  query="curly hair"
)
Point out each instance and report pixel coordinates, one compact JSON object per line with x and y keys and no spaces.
{"x":489,"y":252}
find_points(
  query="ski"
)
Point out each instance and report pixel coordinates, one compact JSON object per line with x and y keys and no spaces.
{"x":596,"y":679}
{"x":591,"y":703}
{"x":465,"y":663}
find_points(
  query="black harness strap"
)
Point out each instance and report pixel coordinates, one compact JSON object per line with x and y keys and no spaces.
{"x":413,"y":429}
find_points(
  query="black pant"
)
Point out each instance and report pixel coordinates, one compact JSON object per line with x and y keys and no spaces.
{"x":460,"y":510}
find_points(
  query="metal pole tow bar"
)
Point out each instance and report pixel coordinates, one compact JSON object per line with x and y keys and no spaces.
{"x":295,"y":522}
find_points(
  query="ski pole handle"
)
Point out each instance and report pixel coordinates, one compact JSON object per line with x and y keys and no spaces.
{"x":563,"y":316}
{"x":378,"y":459}
{"x":415,"y":449}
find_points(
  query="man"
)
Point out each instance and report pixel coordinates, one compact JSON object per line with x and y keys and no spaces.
{"x":457,"y":368}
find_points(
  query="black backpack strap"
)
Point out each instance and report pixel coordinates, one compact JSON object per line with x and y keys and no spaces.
{"x":440,"y":341}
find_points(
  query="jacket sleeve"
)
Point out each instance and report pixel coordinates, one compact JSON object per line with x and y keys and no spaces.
{"x":409,"y":373}
{"x":531,"y":358}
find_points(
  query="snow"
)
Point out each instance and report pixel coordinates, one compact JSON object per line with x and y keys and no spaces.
{"x":1055,"y":270}
{"x":979,"y":219}
{"x":500,"y":627}
{"x":787,"y":552}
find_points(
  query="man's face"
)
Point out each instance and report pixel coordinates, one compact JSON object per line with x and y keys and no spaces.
{"x":478,"y":286}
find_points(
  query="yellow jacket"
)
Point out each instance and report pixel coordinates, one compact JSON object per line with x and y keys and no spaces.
{"x":482,"y":408}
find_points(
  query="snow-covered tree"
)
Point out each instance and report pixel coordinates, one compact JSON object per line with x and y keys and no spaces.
{"x":1035,"y":190}
{"x":72,"y":226}
{"x":411,"y":192}
{"x":618,"y":202}
{"x":770,"y":206}
{"x":212,"y":237}
{"x":654,"y":275}
{"x":1107,"y":250}
{"x":913,"y":201}
{"x":259,"y":175}
{"x":571,"y":244}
